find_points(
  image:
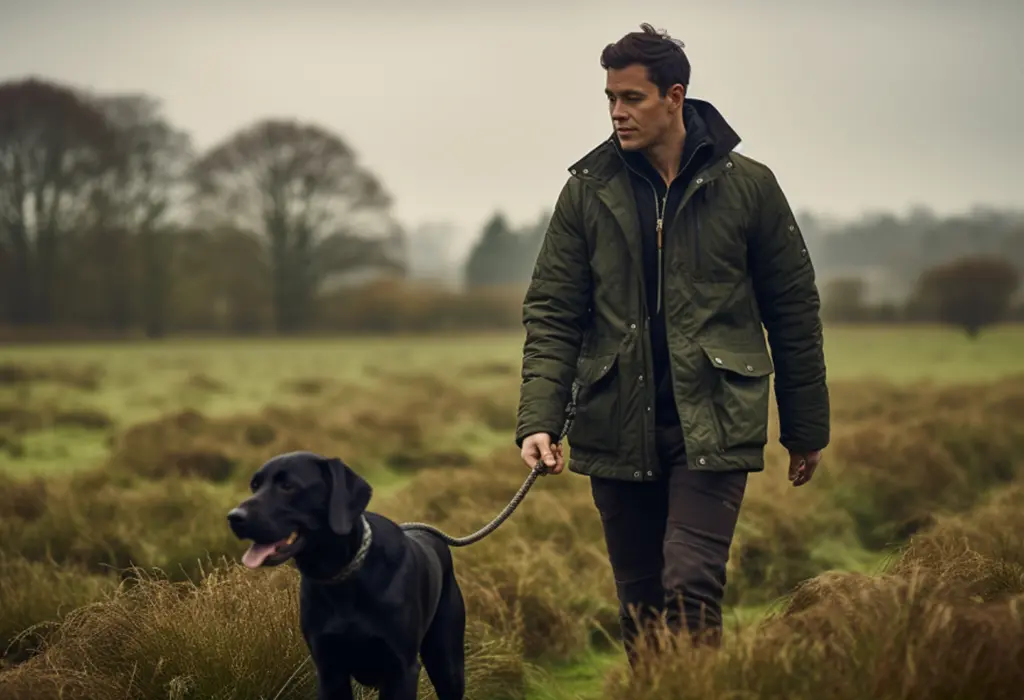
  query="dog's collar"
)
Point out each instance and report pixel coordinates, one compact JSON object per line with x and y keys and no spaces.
{"x":357,"y":561}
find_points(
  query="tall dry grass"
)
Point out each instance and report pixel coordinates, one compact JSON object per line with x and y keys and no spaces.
{"x":945,"y":621}
{"x":231,"y":636}
{"x":539,"y":589}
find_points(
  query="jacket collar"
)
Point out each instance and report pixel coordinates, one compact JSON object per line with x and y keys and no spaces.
{"x":605,"y":160}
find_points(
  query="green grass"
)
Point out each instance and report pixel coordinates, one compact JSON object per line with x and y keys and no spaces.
{"x":923,"y":353}
{"x":580,"y":679}
{"x":143,"y":381}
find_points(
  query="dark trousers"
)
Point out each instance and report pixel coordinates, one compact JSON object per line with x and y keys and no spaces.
{"x":668,"y":542}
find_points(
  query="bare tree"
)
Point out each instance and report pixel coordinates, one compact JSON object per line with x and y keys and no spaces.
{"x":136,"y":200}
{"x":301,"y":187}
{"x":53,"y":143}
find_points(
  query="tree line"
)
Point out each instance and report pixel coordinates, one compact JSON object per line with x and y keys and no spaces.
{"x":110,"y":219}
{"x":111,"y":222}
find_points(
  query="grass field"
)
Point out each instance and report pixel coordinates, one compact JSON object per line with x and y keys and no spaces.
{"x":898,"y":573}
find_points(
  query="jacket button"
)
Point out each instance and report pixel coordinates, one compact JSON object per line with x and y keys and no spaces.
{"x":700,"y":180}
{"x":585,"y":171}
{"x":632,"y":326}
{"x":641,"y":377}
{"x":702,"y":461}
{"x":650,"y":473}
{"x":718,"y":360}
{"x":636,"y":475}
{"x":749,"y":368}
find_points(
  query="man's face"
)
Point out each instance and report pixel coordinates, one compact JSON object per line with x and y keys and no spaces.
{"x":640,"y":115}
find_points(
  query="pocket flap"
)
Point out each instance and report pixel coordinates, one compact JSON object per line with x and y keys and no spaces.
{"x":749,"y":363}
{"x":591,"y":370}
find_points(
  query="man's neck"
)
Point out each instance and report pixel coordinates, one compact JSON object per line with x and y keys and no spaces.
{"x":665,"y":156}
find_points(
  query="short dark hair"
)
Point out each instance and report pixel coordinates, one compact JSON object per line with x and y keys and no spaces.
{"x":663,"y":56}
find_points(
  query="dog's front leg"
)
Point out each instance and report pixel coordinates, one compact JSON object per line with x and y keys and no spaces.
{"x":404,"y":686}
{"x":333,"y":685}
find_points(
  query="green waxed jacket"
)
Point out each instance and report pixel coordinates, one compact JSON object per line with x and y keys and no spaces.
{"x":740,"y":268}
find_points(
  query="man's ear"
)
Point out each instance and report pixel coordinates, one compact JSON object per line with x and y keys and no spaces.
{"x":349,"y":495}
{"x":677,"y":93}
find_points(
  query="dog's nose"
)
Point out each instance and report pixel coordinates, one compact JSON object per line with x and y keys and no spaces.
{"x":237,"y":516}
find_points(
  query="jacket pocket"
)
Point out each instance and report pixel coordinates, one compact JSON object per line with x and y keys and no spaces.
{"x":740,"y":392}
{"x":596,"y":426}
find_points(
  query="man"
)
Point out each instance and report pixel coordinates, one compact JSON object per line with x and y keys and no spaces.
{"x":667,"y":257}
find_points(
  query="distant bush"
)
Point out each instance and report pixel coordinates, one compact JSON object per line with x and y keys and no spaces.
{"x":972,"y":292}
{"x":394,"y":306}
{"x":969,"y":292}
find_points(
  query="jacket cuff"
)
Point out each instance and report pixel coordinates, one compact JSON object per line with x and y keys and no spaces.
{"x":804,"y":420}
{"x":526,"y":431}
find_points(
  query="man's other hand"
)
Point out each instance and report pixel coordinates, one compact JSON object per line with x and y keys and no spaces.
{"x":539,"y":448}
{"x":802,"y":466}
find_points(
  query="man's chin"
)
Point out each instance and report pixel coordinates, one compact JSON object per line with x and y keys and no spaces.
{"x":630,"y":144}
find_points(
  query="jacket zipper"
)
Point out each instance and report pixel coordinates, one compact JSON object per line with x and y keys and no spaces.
{"x":660,"y":213}
{"x":659,"y":209}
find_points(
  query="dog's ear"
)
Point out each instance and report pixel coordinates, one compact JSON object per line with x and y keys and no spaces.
{"x":348,"y":497}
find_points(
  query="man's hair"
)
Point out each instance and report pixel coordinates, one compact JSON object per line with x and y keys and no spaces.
{"x":662,"y":55}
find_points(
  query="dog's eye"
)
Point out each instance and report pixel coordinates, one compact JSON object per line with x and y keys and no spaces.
{"x":285,"y":485}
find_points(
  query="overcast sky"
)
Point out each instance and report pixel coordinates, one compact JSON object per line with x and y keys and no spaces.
{"x":462,"y":107}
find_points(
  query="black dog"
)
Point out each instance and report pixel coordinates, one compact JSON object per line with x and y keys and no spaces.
{"x":372,"y":597}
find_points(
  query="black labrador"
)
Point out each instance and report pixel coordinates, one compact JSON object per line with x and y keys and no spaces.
{"x":374,"y":599}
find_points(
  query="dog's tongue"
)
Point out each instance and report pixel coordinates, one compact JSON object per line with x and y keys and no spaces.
{"x":257,"y":554}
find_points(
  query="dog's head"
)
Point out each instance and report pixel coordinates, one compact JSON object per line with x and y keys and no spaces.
{"x":297,"y":496}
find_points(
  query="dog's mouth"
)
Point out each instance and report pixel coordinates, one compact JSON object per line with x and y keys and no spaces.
{"x":274,"y":553}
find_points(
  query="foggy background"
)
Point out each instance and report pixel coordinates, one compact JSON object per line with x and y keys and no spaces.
{"x":231,"y":230}
{"x":891,"y":126}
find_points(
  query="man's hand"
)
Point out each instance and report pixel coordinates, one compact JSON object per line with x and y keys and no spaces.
{"x":539,"y":448}
{"x":802,"y":466}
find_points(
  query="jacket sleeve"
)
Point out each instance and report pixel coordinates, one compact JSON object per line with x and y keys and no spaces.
{"x":554,"y":314}
{"x":787,"y":297}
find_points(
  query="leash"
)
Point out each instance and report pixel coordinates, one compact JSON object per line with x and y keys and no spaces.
{"x":538,"y":471}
